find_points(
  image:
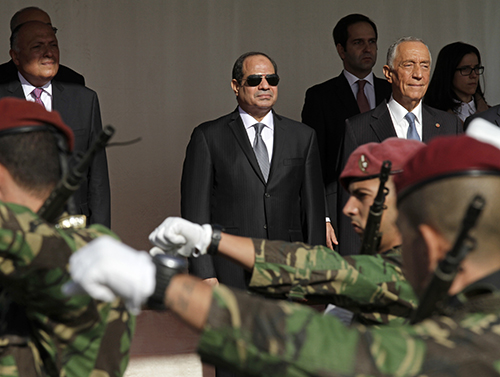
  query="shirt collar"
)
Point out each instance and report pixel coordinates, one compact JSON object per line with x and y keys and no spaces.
{"x":351,"y":79}
{"x":28,"y":88}
{"x":399,"y":111}
{"x":249,"y":121}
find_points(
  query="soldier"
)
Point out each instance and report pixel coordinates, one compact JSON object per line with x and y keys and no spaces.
{"x":267,"y":338}
{"x":43,"y":333}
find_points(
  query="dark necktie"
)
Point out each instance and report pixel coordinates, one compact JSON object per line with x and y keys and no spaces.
{"x":363,"y":104}
{"x":260,"y":150}
{"x":37,"y":93}
{"x":412,"y":133}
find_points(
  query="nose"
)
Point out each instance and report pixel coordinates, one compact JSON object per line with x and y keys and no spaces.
{"x":350,"y":209}
{"x":264,"y":85}
{"x":417,"y":71}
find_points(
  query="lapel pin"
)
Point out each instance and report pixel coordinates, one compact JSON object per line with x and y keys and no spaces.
{"x":437,"y":125}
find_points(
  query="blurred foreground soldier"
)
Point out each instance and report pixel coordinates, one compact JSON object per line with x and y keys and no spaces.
{"x":268,"y":338}
{"x":42,"y":332}
{"x":8,"y":70}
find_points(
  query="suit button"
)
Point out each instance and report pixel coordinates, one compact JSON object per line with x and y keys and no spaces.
{"x":267,"y":195}
{"x":265,"y":226}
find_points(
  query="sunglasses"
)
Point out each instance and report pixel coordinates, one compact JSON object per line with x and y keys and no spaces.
{"x":254,"y":80}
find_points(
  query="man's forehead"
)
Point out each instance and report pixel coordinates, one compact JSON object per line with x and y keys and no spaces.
{"x":360,"y":30}
{"x":413,"y":50}
{"x":257,"y":64}
{"x":37,"y":30}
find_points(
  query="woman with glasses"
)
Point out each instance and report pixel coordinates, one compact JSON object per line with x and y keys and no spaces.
{"x":454,"y":86}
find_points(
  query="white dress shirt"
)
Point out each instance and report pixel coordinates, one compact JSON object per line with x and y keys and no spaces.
{"x":369,"y":88}
{"x":399,"y":121}
{"x":46,"y":95}
{"x":465,"y":109}
{"x":267,"y":132}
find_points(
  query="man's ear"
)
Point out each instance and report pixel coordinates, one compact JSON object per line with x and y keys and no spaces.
{"x":341,"y":51}
{"x":4,"y":174}
{"x":387,"y":73}
{"x":13,"y":56}
{"x":235,"y":86}
{"x":437,"y":246}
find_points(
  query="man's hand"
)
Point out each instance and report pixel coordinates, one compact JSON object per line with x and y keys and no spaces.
{"x":106,"y":268}
{"x":331,"y":239}
{"x":186,"y":238}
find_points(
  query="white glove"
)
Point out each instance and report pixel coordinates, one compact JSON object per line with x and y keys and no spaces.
{"x":106,"y":268}
{"x":183,"y":236}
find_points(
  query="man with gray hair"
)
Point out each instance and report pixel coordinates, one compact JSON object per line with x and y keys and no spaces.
{"x":408,"y":71}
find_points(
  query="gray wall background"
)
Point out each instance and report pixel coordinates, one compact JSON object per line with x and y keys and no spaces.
{"x":161,"y":67}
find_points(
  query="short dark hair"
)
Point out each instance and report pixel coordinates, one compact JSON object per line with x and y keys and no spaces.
{"x":238,"y":64}
{"x":340,"y":33}
{"x":32,"y":159}
{"x":440,"y":93}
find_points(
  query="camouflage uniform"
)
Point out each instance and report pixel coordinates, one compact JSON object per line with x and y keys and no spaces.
{"x":44,"y":332}
{"x":265,"y":338}
{"x":373,"y":287}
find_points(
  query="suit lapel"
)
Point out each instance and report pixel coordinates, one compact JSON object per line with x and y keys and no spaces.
{"x":381,"y":122}
{"x":345,"y":95}
{"x":430,"y":126}
{"x":15,"y":89}
{"x":279,"y":143}
{"x":241,"y":135}
{"x":59,"y":100}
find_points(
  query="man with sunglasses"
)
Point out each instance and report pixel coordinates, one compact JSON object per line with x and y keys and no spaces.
{"x":252,"y":171}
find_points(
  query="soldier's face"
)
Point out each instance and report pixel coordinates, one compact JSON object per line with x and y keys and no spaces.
{"x":36,"y":53}
{"x":358,"y":206}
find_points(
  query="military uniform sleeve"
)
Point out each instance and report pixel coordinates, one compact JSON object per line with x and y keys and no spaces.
{"x":267,"y":338}
{"x":360,"y":283}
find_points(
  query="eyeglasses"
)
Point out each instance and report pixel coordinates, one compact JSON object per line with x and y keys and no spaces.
{"x":466,"y":71}
{"x":254,"y":80}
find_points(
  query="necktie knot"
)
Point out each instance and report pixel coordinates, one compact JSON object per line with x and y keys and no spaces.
{"x":37,"y":93}
{"x":412,"y":133}
{"x":363,"y":104}
{"x":259,"y":127}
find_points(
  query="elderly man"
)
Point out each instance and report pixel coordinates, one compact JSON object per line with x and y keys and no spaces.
{"x":266,"y":338}
{"x":35,"y":53}
{"x":408,"y":71}
{"x":253,"y":171}
{"x":356,"y":90}
{"x":8,"y":71}
{"x":44,"y":333}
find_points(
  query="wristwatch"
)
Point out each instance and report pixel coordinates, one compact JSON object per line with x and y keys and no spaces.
{"x":167,"y":266}
{"x":213,"y":248}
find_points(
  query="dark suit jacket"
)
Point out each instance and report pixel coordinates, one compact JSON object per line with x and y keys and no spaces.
{"x":491,"y":115}
{"x":79,"y":109}
{"x":8,"y":73}
{"x":376,"y":126}
{"x":326,"y":108}
{"x":222,"y":184}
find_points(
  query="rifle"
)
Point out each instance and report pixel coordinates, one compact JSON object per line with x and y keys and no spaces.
{"x":371,"y":234}
{"x":447,"y":269}
{"x":54,"y":205}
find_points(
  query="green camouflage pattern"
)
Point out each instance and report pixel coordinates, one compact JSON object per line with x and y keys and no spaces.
{"x":68,"y":336}
{"x":371,"y":286}
{"x":260,"y":337}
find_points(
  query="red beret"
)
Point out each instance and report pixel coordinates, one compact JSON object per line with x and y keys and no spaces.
{"x":366,"y":160}
{"x":445,"y":157}
{"x":18,"y":113}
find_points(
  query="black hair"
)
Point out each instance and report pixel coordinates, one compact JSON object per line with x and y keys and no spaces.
{"x":340,"y":33}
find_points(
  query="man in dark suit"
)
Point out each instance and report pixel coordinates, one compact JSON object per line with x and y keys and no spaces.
{"x":8,"y":70}
{"x":35,"y":52}
{"x":225,"y":181}
{"x":492,"y":115}
{"x":329,"y":104}
{"x":408,"y":71}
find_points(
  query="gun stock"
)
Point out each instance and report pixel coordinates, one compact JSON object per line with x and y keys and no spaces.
{"x":54,"y":205}
{"x":371,"y":234}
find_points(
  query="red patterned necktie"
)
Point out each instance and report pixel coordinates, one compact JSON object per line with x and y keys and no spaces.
{"x":37,"y":92}
{"x":363,"y":104}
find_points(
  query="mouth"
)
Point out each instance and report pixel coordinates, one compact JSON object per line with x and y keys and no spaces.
{"x":357,"y":228}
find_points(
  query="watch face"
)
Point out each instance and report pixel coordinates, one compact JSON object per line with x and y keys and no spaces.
{"x":173,"y":262}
